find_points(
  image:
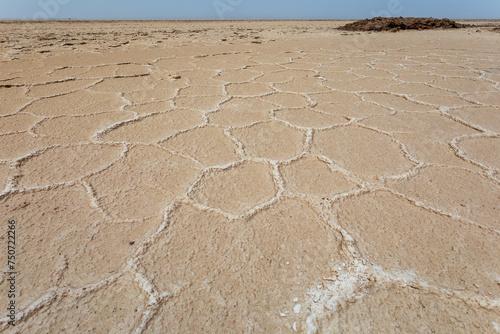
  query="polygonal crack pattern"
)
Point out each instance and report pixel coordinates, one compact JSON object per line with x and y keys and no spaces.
{"x":271,"y":140}
{"x":156,"y":176}
{"x":163,"y":182}
{"x":236,"y":189}
{"x":363,"y":151}
{"x":287,"y":244}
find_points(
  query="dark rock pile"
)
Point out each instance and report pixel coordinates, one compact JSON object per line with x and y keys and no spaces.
{"x":401,"y":23}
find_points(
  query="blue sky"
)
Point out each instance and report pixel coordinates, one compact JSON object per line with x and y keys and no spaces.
{"x":246,"y":9}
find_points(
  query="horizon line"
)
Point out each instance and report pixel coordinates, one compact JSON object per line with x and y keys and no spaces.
{"x":222,"y":20}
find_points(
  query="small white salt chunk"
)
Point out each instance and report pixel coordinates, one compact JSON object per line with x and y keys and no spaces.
{"x":295,"y":299}
{"x":288,"y":263}
{"x":297,"y":308}
{"x":294,"y":326}
{"x":496,"y":326}
{"x":310,"y":325}
{"x":282,"y":314}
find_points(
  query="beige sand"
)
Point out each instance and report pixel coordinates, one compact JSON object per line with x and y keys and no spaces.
{"x":230,"y":177}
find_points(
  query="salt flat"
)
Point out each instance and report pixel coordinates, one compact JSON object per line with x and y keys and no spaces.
{"x":276,"y":177}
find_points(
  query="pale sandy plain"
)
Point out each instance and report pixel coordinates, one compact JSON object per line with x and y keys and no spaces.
{"x":246,"y":177}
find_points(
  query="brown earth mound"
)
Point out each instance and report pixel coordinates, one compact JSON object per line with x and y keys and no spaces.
{"x":401,"y":23}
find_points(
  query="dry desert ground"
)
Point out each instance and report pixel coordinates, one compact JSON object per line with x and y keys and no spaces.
{"x":249,"y":177}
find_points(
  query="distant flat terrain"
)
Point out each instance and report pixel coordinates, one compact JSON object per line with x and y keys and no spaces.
{"x":250,"y":176}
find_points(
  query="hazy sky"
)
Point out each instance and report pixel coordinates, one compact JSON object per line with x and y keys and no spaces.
{"x":246,"y":9}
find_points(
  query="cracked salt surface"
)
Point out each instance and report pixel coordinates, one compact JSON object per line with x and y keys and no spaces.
{"x":261,"y":176}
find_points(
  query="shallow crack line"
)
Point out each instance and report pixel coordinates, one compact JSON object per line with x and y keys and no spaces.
{"x":330,"y":219}
{"x":445,"y":113}
{"x":454,"y":144}
{"x":19,"y":162}
{"x":440,"y":212}
{"x":385,"y":277}
{"x":240,"y":147}
{"x":350,"y":176}
{"x":94,"y":200}
{"x":279,"y":182}
{"x":155,"y":298}
{"x":57,"y":293}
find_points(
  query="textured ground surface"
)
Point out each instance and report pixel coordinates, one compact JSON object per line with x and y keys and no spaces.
{"x":250,"y":177}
